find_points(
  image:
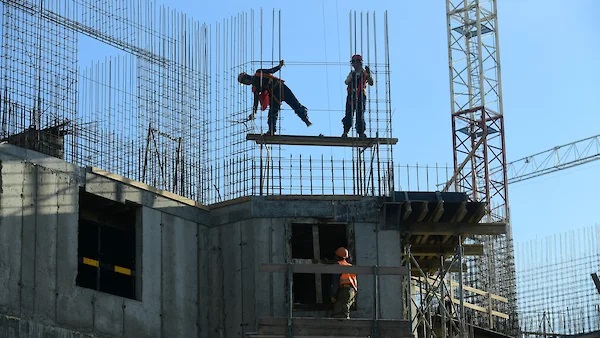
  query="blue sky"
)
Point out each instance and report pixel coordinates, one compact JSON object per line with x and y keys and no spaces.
{"x":549,"y":54}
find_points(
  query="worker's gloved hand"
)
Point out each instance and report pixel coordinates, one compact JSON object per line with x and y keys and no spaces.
{"x":281,"y":63}
{"x":251,"y":117}
{"x":333,"y":299}
{"x":367,"y":69}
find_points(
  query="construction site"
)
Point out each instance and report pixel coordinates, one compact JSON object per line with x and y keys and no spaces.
{"x":141,"y":196}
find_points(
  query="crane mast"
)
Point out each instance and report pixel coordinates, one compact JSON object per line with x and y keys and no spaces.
{"x":478,"y":139}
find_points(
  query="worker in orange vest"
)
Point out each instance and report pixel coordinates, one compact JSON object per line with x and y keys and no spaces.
{"x":357,"y":81}
{"x":343,"y":287}
{"x":271,"y":91}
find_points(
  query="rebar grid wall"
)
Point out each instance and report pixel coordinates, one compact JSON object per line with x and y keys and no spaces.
{"x":478,"y":140}
{"x":557,"y":294}
{"x":157,"y":99}
{"x":140,"y":112}
{"x":300,"y":170}
{"x":38,"y":80}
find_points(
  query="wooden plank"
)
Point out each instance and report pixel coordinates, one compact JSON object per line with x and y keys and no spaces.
{"x":454,"y":228}
{"x":140,"y":185}
{"x":304,"y":140}
{"x":480,"y":308}
{"x":435,"y":250}
{"x":332,"y":322}
{"x":481,"y":292}
{"x":335,"y":269}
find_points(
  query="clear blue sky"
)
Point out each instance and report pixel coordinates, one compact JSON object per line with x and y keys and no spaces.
{"x":550,"y":54}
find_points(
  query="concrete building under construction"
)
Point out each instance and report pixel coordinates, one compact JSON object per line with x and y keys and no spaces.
{"x":138,"y":200}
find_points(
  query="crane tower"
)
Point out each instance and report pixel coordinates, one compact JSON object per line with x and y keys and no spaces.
{"x":478,"y":136}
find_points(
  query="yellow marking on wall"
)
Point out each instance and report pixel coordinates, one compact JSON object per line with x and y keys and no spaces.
{"x":120,"y":269}
{"x":92,"y":262}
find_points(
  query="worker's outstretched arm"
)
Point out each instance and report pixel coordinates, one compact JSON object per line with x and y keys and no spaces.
{"x":271,"y":70}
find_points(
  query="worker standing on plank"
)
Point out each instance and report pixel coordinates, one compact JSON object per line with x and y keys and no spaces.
{"x":271,"y":91}
{"x":343,"y":287}
{"x":357,"y":81}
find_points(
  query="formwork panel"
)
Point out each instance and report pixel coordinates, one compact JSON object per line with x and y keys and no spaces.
{"x":215,"y":302}
{"x":366,"y":254}
{"x":143,"y":318}
{"x":263,"y":248}
{"x":108,"y":314}
{"x":10,"y":232}
{"x":29,"y":234}
{"x":76,"y":307}
{"x":179,"y":277}
{"x":280,"y":241}
{"x":248,"y":271}
{"x":205,"y":292}
{"x":390,"y":253}
{"x":232,"y":279}
{"x":67,"y":229}
{"x":45,"y":242}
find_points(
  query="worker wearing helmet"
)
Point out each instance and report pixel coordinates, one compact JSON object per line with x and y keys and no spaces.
{"x":357,"y":81}
{"x":343,"y":287}
{"x":271,"y":91}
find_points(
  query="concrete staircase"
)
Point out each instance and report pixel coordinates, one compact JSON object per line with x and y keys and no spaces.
{"x":303,"y":327}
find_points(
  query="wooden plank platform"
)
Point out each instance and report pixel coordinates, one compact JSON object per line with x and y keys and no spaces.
{"x":304,"y":140}
{"x":331,"y":327}
{"x":336,"y":269}
{"x":459,"y":228}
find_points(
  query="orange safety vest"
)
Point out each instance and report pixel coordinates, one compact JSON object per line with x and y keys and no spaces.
{"x":265,"y":94}
{"x":360,"y":85}
{"x":348,"y":278}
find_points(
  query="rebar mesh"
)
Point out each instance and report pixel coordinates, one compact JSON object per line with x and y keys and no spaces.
{"x":557,"y":294}
{"x":152,"y":94}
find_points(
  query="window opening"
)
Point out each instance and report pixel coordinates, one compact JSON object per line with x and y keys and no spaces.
{"x":315,"y":242}
{"x":107,"y":245}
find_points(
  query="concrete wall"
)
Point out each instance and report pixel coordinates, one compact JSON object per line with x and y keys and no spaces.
{"x":253,"y":231}
{"x":199,"y":267}
{"x":38,"y":255}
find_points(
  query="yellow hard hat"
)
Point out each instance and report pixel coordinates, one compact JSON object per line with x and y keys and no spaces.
{"x":341,"y":252}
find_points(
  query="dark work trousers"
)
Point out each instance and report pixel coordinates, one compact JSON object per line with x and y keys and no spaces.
{"x":343,"y":301}
{"x":281,"y":92}
{"x":355,"y":103}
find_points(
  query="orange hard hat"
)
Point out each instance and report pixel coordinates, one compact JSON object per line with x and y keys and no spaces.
{"x":356,"y":57}
{"x":341,"y":252}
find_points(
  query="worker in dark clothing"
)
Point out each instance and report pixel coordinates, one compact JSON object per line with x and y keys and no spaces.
{"x":343,"y":287}
{"x":357,"y":81}
{"x":271,"y":91}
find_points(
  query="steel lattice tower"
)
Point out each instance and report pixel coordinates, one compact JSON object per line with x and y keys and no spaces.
{"x":478,"y":139}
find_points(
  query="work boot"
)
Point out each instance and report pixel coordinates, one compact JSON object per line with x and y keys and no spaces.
{"x":362,"y":135}
{"x":305,"y":120}
{"x":345,"y":134}
{"x":269,"y":133}
{"x":304,"y":116}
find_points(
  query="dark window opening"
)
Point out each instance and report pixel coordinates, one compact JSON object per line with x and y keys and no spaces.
{"x":315,"y":242}
{"x":107,"y":245}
